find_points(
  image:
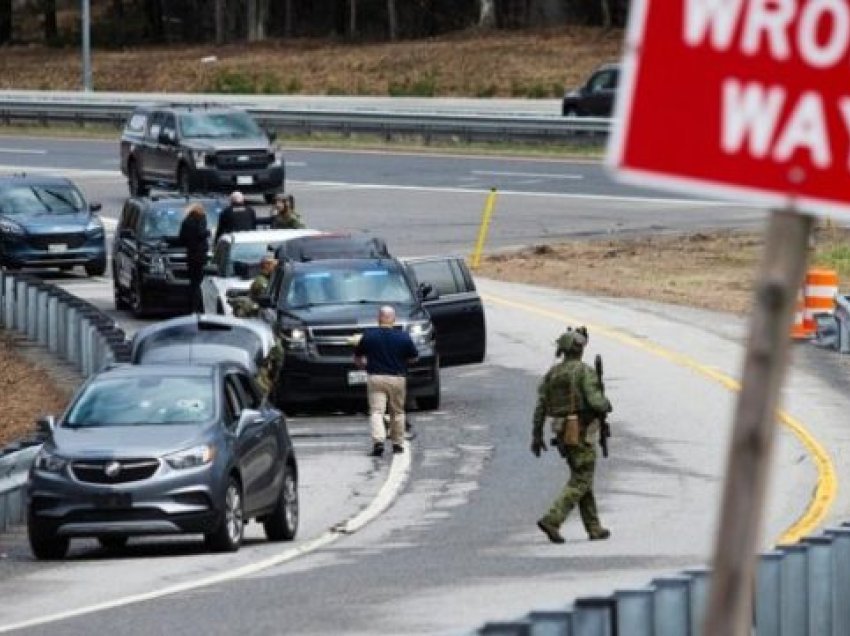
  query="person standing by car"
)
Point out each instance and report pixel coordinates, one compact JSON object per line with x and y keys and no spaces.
{"x":385,"y":353}
{"x":195,"y":237}
{"x":285,"y":217}
{"x":236,"y":217}
{"x":570,"y":394}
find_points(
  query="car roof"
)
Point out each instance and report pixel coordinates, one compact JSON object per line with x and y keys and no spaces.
{"x":160,"y":370}
{"x":171,"y":201}
{"x":260,"y":236}
{"x":348,"y":263}
{"x":608,"y":66}
{"x":39,"y":179}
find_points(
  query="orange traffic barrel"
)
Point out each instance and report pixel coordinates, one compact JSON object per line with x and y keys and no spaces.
{"x":820,"y":290}
{"x":798,"y":330}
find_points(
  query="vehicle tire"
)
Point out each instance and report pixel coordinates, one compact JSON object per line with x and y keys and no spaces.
{"x":137,"y":300}
{"x":227,"y":537}
{"x":282,"y":523}
{"x":184,"y":184}
{"x":97,"y":268}
{"x":113,"y":541}
{"x":120,"y":303}
{"x":135,"y":182}
{"x":44,"y":542}
{"x":430,"y":402}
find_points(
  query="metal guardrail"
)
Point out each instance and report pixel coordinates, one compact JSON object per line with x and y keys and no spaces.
{"x":69,"y":328}
{"x":465,"y":125}
{"x":801,"y":590}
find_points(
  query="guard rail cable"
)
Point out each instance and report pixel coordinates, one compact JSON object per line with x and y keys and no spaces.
{"x":461,"y":124}
{"x":69,"y":328}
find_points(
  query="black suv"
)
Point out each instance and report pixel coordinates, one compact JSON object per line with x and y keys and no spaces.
{"x":46,"y":222}
{"x":320,"y":306}
{"x":199,"y":148}
{"x":596,"y":97}
{"x":148,"y":269}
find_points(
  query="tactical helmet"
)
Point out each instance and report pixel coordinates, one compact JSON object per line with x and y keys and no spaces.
{"x":570,"y":341}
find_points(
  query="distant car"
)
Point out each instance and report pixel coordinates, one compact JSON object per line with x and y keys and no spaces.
{"x":203,"y":339}
{"x":198,"y":148}
{"x":236,"y":262}
{"x":163,"y":449}
{"x":148,"y":269}
{"x":596,"y":97}
{"x":46,"y":222}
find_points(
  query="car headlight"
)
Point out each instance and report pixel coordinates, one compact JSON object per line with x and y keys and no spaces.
{"x":200,"y":158}
{"x":420,"y":332}
{"x":191,"y":457}
{"x":276,"y":158}
{"x":295,"y":338}
{"x":10,"y":227}
{"x":48,"y":462}
{"x":94,"y":229}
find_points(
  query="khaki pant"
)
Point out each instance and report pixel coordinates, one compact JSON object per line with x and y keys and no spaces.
{"x":386,"y":392}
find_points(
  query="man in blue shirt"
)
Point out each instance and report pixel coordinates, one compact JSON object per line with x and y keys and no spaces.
{"x":385,"y":352}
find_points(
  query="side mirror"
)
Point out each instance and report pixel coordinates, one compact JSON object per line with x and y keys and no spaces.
{"x":125,"y":233}
{"x":428,"y":292}
{"x":45,"y":425}
{"x":95,"y":207}
{"x":247,"y":418}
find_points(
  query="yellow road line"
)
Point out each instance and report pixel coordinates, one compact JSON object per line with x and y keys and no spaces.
{"x":827,"y":483}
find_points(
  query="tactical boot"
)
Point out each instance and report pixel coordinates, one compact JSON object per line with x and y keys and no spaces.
{"x":550,"y":530}
{"x":599,"y":535}
{"x":377,"y":450}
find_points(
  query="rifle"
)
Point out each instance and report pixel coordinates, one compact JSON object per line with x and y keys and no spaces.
{"x":604,"y":427}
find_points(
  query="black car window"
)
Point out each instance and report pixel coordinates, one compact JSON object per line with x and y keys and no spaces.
{"x":163,"y":220}
{"x":125,"y":216}
{"x":169,"y":126}
{"x":231,"y":396}
{"x":155,"y":125}
{"x":347,"y":284}
{"x":440,"y":274}
{"x":37,"y":198}
{"x":251,"y":398}
{"x":137,"y":122}
{"x":604,"y":80}
{"x":144,"y":400}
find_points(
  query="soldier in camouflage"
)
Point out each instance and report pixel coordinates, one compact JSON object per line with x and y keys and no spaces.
{"x":571,"y":387}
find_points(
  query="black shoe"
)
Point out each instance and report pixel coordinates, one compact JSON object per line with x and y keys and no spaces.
{"x":398,"y":448}
{"x":599,"y":535}
{"x":377,"y":450}
{"x":550,"y":530}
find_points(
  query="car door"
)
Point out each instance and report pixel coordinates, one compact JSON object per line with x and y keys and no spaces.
{"x":456,"y":312}
{"x":601,"y":88}
{"x":214,"y":302}
{"x":269,"y":451}
{"x":168,"y":149}
{"x":152,"y":167}
{"x":125,"y":245}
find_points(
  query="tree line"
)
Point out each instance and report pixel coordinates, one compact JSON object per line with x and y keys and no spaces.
{"x":127,"y":22}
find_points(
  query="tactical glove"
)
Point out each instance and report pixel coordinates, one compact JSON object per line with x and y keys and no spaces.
{"x":537,"y":445}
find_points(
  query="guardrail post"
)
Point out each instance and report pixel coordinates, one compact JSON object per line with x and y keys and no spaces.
{"x":62,"y":329}
{"x":21,"y":306}
{"x":52,"y":323}
{"x":593,"y":616}
{"x":793,"y":591}
{"x":549,"y":623}
{"x":3,"y":278}
{"x":32,"y":312}
{"x":4,"y":524}
{"x":635,"y":611}
{"x":671,"y":605}
{"x":819,"y":570}
{"x":41,"y":331}
{"x":698,"y":590}
{"x":841,"y":580}
{"x":72,"y":337}
{"x":506,"y":628}
{"x":768,"y":594}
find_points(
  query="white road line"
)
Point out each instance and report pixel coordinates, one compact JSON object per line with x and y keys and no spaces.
{"x":399,"y":471}
{"x":22,"y":151}
{"x":544,"y":175}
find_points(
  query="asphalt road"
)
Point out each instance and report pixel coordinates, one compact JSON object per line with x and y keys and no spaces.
{"x":458,"y":545}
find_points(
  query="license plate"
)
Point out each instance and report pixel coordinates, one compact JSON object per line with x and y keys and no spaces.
{"x":113,"y":500}
{"x":356,"y":377}
{"x":57,"y":247}
{"x":242,"y":180}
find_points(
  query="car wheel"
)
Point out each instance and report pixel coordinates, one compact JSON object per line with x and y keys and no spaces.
{"x":112,"y":542}
{"x":227,"y":537}
{"x":97,"y":268}
{"x":44,"y":541}
{"x":135,"y":182}
{"x":121,"y":303}
{"x":282,"y":523}
{"x":430,"y":402}
{"x":137,"y":300}
{"x":183,"y":182}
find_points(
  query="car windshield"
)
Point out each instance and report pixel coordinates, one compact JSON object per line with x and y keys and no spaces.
{"x":218,"y":125}
{"x":248,"y":253}
{"x":41,"y":199}
{"x":233,"y":336}
{"x":147,"y":399}
{"x":347,"y":285}
{"x":164,"y":221}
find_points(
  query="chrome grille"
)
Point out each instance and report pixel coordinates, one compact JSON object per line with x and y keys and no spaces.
{"x":95,"y":471}
{"x":242,"y":159}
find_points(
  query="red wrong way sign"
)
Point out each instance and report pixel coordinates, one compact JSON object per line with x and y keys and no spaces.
{"x":747,"y":98}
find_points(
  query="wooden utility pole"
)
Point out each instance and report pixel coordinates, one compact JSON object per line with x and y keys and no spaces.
{"x":729,"y":610}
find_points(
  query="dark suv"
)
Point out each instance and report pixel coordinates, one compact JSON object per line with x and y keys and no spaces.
{"x":596,"y":97}
{"x":148,"y":268}
{"x":199,"y":148}
{"x":322,"y":305}
{"x":46,"y":222}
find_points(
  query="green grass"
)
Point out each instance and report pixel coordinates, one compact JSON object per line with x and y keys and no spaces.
{"x":835,"y":257}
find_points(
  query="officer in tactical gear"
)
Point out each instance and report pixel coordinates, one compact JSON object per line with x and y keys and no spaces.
{"x":570,"y":395}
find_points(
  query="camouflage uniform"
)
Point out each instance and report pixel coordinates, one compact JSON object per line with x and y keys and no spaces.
{"x":289,"y":221}
{"x":568,"y":383}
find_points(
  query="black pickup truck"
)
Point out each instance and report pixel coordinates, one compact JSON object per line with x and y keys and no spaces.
{"x":320,"y":305}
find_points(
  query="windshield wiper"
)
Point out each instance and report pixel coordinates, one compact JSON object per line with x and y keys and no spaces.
{"x":41,"y":200}
{"x":63,"y":199}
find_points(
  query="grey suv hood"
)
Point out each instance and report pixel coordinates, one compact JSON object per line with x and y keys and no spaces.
{"x":226,"y":143}
{"x":125,"y":441}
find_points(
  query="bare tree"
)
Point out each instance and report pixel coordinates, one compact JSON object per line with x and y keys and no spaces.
{"x":5,"y":21}
{"x":258,"y":17}
{"x":352,"y":18}
{"x":220,"y":28}
{"x":289,"y":24}
{"x":392,"y":19}
{"x":51,"y":32}
{"x":487,"y":14}
{"x":607,"y":13}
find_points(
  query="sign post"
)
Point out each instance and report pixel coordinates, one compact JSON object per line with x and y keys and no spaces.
{"x":745,"y":99}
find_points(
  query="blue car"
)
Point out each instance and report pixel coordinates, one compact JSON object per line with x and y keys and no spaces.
{"x":46,"y":222}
